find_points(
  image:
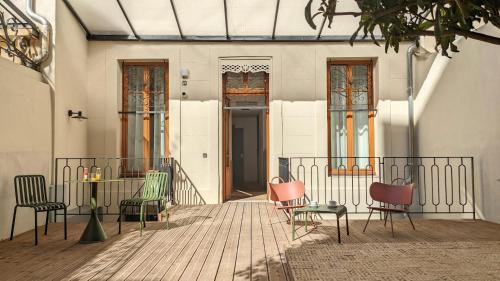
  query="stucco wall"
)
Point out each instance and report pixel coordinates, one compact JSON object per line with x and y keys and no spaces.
{"x":457,"y":115}
{"x":70,"y":135}
{"x":297,"y":100}
{"x":25,"y":141}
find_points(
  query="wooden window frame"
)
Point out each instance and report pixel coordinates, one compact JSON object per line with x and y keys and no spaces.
{"x":124,"y":116}
{"x":349,"y":120}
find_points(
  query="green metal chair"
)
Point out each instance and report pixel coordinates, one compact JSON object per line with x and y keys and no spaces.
{"x":31,"y":192}
{"x":154,"y":190}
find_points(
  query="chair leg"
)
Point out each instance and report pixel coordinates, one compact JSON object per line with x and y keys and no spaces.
{"x":65,"y":223}
{"x":392,"y":228}
{"x":145,"y":215}
{"x":36,"y":229}
{"x":141,"y":217}
{"x":13,"y":223}
{"x":338,"y":229}
{"x":46,"y":222}
{"x":347,"y":223}
{"x":408,"y":214}
{"x":385,"y":219}
{"x":369,"y":216}
{"x":120,"y":219}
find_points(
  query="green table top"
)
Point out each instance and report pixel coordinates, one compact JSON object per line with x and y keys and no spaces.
{"x":339,"y":210}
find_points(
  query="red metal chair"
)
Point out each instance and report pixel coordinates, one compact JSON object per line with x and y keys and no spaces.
{"x":290,"y":194}
{"x":396,"y":195}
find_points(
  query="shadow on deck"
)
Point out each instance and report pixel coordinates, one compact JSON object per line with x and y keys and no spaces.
{"x":251,"y":240}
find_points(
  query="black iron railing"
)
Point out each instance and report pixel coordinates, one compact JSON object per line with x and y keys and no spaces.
{"x":18,"y":35}
{"x":69,"y":188}
{"x":442,"y":184}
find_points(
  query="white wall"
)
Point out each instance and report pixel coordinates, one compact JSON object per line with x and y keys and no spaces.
{"x":70,"y":135}
{"x":35,"y":106}
{"x":458,"y":115}
{"x":25,"y":141}
{"x":297,"y":100}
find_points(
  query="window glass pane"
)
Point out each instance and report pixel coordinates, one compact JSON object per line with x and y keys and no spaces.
{"x":360,"y":99}
{"x":338,"y":139}
{"x":135,"y":101}
{"x":338,"y":86}
{"x":256,"y":80}
{"x":361,"y":139}
{"x":234,"y":80}
{"x":157,"y":118}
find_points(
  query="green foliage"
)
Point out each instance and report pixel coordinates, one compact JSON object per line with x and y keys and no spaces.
{"x":406,"y":20}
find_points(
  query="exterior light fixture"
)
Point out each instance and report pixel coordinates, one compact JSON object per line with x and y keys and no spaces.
{"x":76,"y":114}
{"x":184,"y":73}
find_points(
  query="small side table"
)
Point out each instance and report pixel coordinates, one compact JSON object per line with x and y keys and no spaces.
{"x":94,"y":231}
{"x":339,"y":211}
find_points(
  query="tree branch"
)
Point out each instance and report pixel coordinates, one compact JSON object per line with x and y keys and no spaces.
{"x":466,"y":33}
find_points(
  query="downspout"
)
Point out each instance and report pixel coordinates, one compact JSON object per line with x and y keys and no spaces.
{"x":46,"y":32}
{"x":409,"y":89}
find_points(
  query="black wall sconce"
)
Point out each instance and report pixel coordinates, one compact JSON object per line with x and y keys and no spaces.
{"x":76,"y":114}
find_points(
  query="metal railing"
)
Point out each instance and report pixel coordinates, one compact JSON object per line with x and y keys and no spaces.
{"x":442,"y":184}
{"x":18,"y":35}
{"x":69,"y":188}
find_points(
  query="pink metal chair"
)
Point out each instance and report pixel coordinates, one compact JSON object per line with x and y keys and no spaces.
{"x":290,"y":194}
{"x":396,"y":195}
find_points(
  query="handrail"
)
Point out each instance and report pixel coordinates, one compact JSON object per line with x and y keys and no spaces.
{"x":18,"y":36}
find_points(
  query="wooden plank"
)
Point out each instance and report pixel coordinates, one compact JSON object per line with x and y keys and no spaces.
{"x":117,"y":251}
{"x":242,"y":269}
{"x":225,"y":269}
{"x":191,"y":259}
{"x":259,"y":255}
{"x":274,"y":262}
{"x":160,"y":260}
{"x":125,"y":264}
{"x":205,"y":267}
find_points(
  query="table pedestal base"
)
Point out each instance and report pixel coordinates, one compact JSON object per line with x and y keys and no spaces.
{"x":94,"y":231}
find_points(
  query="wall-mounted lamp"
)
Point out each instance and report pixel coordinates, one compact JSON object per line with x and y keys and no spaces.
{"x":184,"y":73}
{"x":76,"y":114}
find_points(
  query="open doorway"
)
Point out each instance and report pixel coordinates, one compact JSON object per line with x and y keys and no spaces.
{"x":245,"y":136}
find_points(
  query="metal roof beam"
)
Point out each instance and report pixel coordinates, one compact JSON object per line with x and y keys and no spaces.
{"x":276,"y":18}
{"x":225,"y":19}
{"x":127,"y":19}
{"x":249,"y":39}
{"x":321,"y":28}
{"x":176,"y":18}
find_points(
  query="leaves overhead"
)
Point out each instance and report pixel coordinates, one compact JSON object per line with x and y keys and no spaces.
{"x":406,"y":20}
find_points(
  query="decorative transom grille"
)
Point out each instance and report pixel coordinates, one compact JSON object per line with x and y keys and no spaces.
{"x":245,"y":68}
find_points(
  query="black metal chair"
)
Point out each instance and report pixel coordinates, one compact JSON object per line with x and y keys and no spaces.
{"x":31,"y":192}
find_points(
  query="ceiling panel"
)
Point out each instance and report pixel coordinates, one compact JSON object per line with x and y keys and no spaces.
{"x":151,"y":17}
{"x":291,"y":20}
{"x":250,"y":18}
{"x":102,"y":17}
{"x":201,"y":17}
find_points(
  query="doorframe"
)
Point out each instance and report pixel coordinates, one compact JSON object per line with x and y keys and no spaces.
{"x":227,"y":190}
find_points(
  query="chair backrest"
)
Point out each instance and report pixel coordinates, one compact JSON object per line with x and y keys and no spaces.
{"x":286,"y":191}
{"x":155,"y":185}
{"x":392,"y":194}
{"x":30,"y":189}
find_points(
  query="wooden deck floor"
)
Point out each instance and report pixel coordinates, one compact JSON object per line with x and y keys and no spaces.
{"x":232,"y":241}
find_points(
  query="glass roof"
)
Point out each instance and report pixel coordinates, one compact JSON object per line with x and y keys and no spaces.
{"x":191,"y":19}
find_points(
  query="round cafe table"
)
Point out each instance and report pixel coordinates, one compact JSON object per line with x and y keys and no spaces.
{"x":94,"y":231}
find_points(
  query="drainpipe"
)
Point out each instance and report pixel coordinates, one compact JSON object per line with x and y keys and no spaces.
{"x":409,"y":83}
{"x":46,"y":32}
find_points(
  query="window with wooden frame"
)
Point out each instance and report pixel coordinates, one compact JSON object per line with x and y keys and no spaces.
{"x":350,"y":117}
{"x":144,"y":116}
